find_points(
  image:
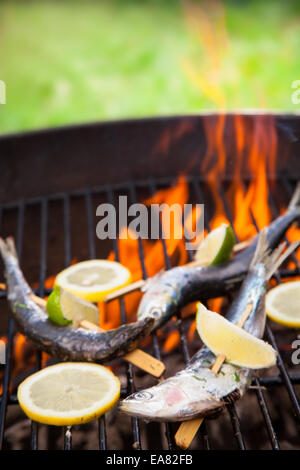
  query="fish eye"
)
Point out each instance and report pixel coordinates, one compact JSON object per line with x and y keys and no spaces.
{"x":143,"y":396}
{"x":155,"y":312}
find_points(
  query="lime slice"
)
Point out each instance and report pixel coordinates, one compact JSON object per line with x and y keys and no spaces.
{"x":237,"y":345}
{"x":69,"y":393}
{"x":92,"y":280}
{"x":216,"y":247}
{"x":283,"y":304}
{"x":65,"y":309}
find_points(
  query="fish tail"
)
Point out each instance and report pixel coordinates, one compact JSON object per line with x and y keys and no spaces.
{"x":8,"y":247}
{"x":271,"y":259}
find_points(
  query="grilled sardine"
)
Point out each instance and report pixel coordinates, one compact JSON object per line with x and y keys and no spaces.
{"x":196,"y":391}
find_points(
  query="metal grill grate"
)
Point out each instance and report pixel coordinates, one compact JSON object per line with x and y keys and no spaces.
{"x":109,"y":193}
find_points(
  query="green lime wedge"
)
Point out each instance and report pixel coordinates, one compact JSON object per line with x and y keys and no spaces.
{"x":66,"y":309}
{"x":216,"y":247}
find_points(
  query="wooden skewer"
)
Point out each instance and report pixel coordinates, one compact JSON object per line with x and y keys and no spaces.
{"x":88,"y":325}
{"x":188,"y":429}
{"x":137,"y":357}
{"x":242,"y":245}
{"x":38,"y":300}
{"x":145,"y":361}
{"x":125,"y":290}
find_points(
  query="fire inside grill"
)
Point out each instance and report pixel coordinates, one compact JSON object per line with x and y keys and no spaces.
{"x":241,"y":181}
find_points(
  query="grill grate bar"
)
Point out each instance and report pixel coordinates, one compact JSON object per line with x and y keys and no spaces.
{"x":42,"y":277}
{"x":6,"y":379}
{"x":92,"y":255}
{"x":67,"y":437}
{"x":266,"y":414}
{"x":90,"y":220}
{"x":67,"y":229}
{"x":236,"y":426}
{"x":8,"y":352}
{"x":67,"y":430}
{"x":133,"y":198}
{"x":102,"y":433}
{"x":129,"y":369}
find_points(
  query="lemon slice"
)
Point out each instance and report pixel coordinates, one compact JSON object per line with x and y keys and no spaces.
{"x":283,"y":304}
{"x":66,"y":309}
{"x":239,"y":347}
{"x":216,"y":247}
{"x":69,"y":393}
{"x":93,"y":280}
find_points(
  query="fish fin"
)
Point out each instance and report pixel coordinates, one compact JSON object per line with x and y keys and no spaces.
{"x":3,"y":247}
{"x":295,"y":201}
{"x":8,"y":247}
{"x":262,"y":249}
{"x":10,"y":243}
{"x":276,"y":258}
{"x":271,"y":259}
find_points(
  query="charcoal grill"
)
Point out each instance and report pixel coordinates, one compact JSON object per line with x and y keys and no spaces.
{"x":51,"y":182}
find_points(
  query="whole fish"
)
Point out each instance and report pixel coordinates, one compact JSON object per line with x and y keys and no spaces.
{"x":168,"y":291}
{"x":60,"y":341}
{"x":196,"y":391}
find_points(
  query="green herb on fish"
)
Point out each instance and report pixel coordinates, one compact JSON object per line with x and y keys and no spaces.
{"x":201,"y":379}
{"x":18,"y":304}
{"x":236,"y":377}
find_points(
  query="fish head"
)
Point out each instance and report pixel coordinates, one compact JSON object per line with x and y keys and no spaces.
{"x":174,"y":399}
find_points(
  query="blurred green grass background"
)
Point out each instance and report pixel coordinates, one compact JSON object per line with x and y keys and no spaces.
{"x":69,"y":61}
